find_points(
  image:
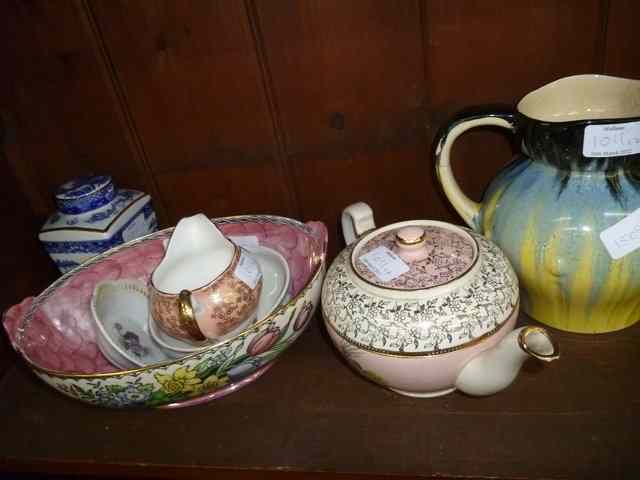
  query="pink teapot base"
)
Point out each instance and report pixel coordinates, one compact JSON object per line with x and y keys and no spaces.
{"x":421,"y":376}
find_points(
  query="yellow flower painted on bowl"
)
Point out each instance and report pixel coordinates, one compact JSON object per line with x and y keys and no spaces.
{"x":183,"y":380}
{"x":212,"y":382}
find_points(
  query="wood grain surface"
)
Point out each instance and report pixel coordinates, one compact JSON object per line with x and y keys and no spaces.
{"x":574,"y":418}
{"x":62,"y":103}
{"x":194,"y":85}
{"x":288,"y":107}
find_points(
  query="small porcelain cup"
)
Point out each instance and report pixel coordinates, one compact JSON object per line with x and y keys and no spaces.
{"x":275,"y":287}
{"x":205,"y":286}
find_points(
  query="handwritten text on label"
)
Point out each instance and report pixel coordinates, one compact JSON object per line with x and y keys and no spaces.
{"x":623,"y":237}
{"x":611,"y":140}
{"x":384,"y":264}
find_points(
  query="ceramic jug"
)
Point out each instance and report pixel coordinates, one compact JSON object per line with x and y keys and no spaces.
{"x":206,"y":286}
{"x":564,"y":210}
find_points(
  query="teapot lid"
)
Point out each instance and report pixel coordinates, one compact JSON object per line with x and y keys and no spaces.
{"x":414,"y":256}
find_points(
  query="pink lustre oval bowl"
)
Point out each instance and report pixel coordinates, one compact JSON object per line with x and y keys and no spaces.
{"x":55,"y":334}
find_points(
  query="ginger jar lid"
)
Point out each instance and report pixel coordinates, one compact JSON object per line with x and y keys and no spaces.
{"x":419,"y":288}
{"x":84,"y":194}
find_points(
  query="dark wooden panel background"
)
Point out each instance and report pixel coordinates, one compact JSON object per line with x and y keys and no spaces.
{"x":291,"y":107}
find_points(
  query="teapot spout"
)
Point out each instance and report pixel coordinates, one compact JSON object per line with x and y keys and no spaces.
{"x":495,"y":369}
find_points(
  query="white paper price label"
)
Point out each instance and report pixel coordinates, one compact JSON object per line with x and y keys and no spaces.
{"x":612,"y":140}
{"x":248,"y":271}
{"x":247,"y":241}
{"x":623,"y":237}
{"x":384,"y":264}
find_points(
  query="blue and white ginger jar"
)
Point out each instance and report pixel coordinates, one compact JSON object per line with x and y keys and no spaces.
{"x":92,"y":217}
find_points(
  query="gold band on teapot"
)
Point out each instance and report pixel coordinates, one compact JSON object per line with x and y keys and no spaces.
{"x":547,"y":352}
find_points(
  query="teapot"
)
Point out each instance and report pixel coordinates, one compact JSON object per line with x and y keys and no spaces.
{"x":425,"y":307}
{"x":564,"y":210}
{"x":205,"y":287}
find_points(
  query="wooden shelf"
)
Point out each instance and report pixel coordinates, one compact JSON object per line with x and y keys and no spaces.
{"x":575,"y":418}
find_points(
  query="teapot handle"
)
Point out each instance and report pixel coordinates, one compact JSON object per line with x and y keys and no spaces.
{"x":356,"y":219}
{"x":466,"y":208}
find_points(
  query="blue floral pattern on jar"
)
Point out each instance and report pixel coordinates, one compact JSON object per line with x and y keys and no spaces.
{"x":93,"y":216}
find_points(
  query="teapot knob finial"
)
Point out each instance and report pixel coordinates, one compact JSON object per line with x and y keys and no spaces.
{"x":410,"y":235}
{"x":411,"y":244}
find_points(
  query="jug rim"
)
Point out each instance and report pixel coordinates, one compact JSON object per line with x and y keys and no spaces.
{"x":236,"y":255}
{"x":583,"y":98}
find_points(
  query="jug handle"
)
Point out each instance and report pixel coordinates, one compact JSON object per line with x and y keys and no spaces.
{"x":188,"y":317}
{"x":356,"y":219}
{"x":466,"y":208}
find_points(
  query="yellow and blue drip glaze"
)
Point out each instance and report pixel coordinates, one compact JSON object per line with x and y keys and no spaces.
{"x":547,"y":216}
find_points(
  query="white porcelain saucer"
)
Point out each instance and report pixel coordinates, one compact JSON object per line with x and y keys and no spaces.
{"x":129,"y":338}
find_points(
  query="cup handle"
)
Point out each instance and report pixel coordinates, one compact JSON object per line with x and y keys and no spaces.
{"x":466,"y":208}
{"x":188,"y":317}
{"x":356,"y":219}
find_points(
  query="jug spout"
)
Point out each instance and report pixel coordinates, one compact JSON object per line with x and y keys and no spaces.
{"x":197,"y":234}
{"x":196,"y":253}
{"x":495,"y":369}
